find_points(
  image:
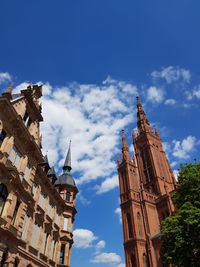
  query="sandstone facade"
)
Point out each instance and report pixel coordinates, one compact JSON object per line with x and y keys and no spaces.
{"x":36,"y":210}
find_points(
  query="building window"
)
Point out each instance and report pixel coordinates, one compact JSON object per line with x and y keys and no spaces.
{"x":53,"y":242}
{"x":15,"y":212}
{"x":65,"y":225}
{"x":133,"y":261}
{"x":25,"y":227}
{"x":16,"y":263}
{"x":44,"y":238}
{"x":27,"y":171}
{"x":130,"y":230}
{"x":146,"y":160}
{"x":68,"y":195}
{"x":145,"y":260}
{"x":4,"y":257}
{"x":124,"y":181}
{"x":62,"y":254}
{"x":27,"y":120}
{"x":33,"y":189}
{"x":2,"y":136}
{"x":3,"y":196}
{"x":50,"y":210}
{"x":57,"y":219}
{"x":15,"y":156}
{"x":41,"y":201}
{"x":46,"y":245}
{"x":139,"y":224}
{"x":35,"y":236}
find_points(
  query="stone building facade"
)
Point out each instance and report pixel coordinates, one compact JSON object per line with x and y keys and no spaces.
{"x":37,"y":209}
{"x":146,"y":183}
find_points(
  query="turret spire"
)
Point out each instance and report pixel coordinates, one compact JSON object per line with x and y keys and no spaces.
{"x":10,"y":89}
{"x":125,"y":152}
{"x":143,"y":123}
{"x":67,"y":164}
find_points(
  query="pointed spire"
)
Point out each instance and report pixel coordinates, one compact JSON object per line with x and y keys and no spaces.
{"x":143,"y":123}
{"x":67,"y":164}
{"x":125,"y":152}
{"x":133,"y":135}
{"x":156,"y":131}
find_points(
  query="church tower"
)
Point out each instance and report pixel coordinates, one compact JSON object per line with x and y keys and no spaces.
{"x":146,"y":182}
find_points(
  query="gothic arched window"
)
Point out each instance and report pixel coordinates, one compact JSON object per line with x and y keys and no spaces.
{"x":16,"y":263}
{"x":132,"y":261}
{"x":3,"y":196}
{"x":129,"y":223}
{"x":145,"y":260}
{"x":139,"y":224}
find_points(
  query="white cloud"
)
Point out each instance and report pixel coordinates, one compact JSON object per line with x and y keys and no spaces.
{"x":194,"y":93}
{"x":176,"y":174}
{"x":183,"y":148}
{"x":107,"y":258}
{"x":5,"y":77}
{"x":101,"y":244}
{"x":172,"y":74}
{"x":107,"y":185}
{"x":124,"y":86}
{"x":118,"y":211}
{"x":121,"y":265}
{"x":166,"y":147}
{"x":173,"y":164}
{"x":21,"y":86}
{"x":170,"y":101}
{"x":92,"y":116}
{"x":83,"y":238}
{"x":82,"y":199}
{"x":155,"y":94}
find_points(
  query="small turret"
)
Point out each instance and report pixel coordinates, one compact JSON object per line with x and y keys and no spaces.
{"x":52,"y":175}
{"x":125,"y":152}
{"x":66,"y":178}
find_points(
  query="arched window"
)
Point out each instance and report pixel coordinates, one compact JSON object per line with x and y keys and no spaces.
{"x":16,"y":263}
{"x":132,"y":261}
{"x":62,"y":254}
{"x":145,"y":260}
{"x":4,"y":257}
{"x":68,"y":195}
{"x":3,"y":196}
{"x":139,"y":224}
{"x":2,"y":136}
{"x":130,"y":230}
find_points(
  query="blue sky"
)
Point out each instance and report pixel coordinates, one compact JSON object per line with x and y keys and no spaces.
{"x":93,"y":58}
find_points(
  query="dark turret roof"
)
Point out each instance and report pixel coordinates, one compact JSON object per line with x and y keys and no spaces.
{"x":65,"y":179}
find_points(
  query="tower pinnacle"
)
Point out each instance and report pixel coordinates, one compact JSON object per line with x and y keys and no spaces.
{"x":142,"y":123}
{"x":125,"y":153}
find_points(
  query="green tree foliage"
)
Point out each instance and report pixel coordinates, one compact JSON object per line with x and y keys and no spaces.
{"x":181,"y":232}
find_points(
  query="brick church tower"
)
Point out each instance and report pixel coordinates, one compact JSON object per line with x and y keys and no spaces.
{"x":146,"y":183}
